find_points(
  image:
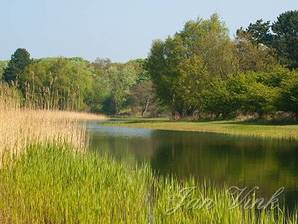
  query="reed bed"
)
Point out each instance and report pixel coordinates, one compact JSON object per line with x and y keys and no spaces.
{"x":20,"y":127}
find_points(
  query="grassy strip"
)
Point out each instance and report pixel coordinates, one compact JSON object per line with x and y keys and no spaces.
{"x":285,"y":131}
{"x":52,"y":184}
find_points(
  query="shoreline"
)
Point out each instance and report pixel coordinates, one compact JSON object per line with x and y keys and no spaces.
{"x":236,"y":128}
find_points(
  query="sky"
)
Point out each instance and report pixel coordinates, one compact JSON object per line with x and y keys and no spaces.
{"x":117,"y":29}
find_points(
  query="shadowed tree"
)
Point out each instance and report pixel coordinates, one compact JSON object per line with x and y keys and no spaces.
{"x":282,"y":36}
{"x":259,"y":32}
{"x":16,"y":66}
{"x":286,"y":38}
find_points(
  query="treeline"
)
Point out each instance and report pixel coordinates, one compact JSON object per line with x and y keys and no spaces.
{"x":76,"y":84}
{"x":199,"y":72}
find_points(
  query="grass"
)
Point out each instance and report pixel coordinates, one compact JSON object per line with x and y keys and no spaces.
{"x":254,"y":129}
{"x":52,"y":184}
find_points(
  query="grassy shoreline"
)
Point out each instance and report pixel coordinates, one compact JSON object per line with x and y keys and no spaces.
{"x":52,"y":184}
{"x":252,"y":129}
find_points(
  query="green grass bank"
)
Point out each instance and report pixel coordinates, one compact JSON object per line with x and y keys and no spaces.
{"x":253,"y":129}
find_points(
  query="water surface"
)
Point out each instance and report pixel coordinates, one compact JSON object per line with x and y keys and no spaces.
{"x":221,"y":159}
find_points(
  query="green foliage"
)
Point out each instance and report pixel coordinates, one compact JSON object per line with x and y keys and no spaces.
{"x":253,"y":57}
{"x":120,"y":79}
{"x":259,"y":32}
{"x":118,"y":87}
{"x":289,"y":94}
{"x":192,"y":81}
{"x":251,"y":95}
{"x":286,"y":38}
{"x":281,"y":36}
{"x":274,"y":77}
{"x":142,"y":98}
{"x":3,"y":65}
{"x":140,"y":67}
{"x":18,"y":62}
{"x":218,"y":99}
{"x":245,"y":93}
{"x":181,"y":65}
{"x":56,"y":83}
{"x":201,"y":70}
{"x":259,"y":98}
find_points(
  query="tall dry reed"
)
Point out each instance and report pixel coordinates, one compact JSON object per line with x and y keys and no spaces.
{"x":20,"y":126}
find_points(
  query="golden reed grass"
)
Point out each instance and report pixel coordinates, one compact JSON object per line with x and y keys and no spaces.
{"x":20,"y":127}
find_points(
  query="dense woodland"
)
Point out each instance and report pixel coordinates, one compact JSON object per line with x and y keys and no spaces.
{"x":200,"y":72}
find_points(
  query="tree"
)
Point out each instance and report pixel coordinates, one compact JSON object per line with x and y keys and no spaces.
{"x":260,"y":99}
{"x":16,"y":66}
{"x":181,"y":65}
{"x":259,"y":32}
{"x":282,"y":36}
{"x":3,"y":65}
{"x":251,"y":94}
{"x":219,"y":99}
{"x":252,"y":56}
{"x":209,"y":39}
{"x":288,"y":100}
{"x":58,"y":83}
{"x":244,"y":93}
{"x":117,"y":86}
{"x":141,"y":97}
{"x":119,"y":79}
{"x":286,"y":38}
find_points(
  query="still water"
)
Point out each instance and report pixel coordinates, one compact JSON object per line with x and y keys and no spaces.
{"x":220,"y":159}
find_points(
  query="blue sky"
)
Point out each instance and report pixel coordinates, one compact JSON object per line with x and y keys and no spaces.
{"x":118,"y":29}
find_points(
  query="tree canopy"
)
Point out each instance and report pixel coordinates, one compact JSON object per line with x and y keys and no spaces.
{"x":281,"y":35}
{"x":56,"y":83}
{"x":181,"y":65}
{"x":18,"y":62}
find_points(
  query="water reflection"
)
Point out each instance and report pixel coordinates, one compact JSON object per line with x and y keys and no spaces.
{"x":221,"y":159}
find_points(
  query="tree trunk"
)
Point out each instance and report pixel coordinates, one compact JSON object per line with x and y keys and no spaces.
{"x":177,"y":116}
{"x":146,"y":106}
{"x":261,"y":115}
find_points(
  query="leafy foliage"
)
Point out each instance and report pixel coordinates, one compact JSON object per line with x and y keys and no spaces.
{"x":181,"y":65}
{"x":286,"y":38}
{"x":260,"y":32}
{"x":18,"y":62}
{"x":282,"y":36}
{"x":3,"y":65}
{"x":289,"y":94}
{"x":56,"y":83}
{"x":253,"y":57}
